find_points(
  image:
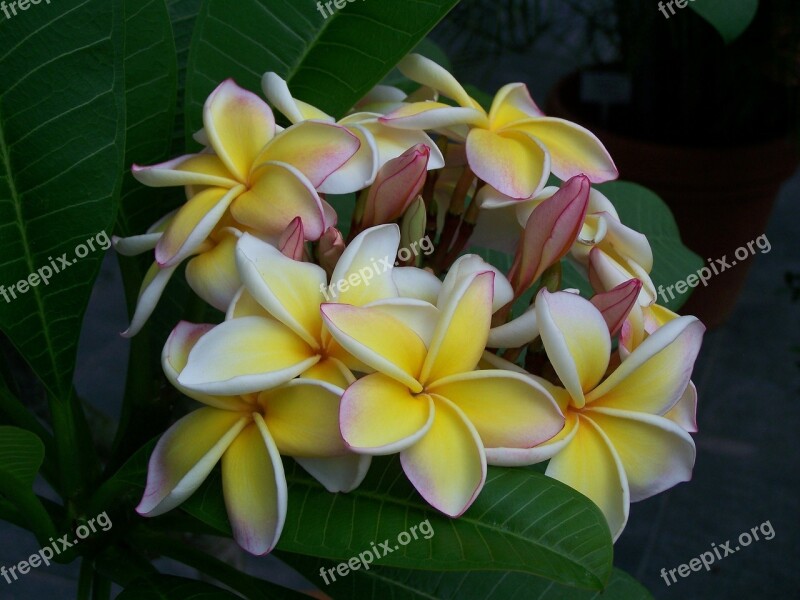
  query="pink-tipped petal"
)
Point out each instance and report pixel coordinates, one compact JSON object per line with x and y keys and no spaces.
{"x":279,"y":192}
{"x":379,"y":415}
{"x":574,"y":150}
{"x":315,"y":149}
{"x":655,"y":375}
{"x":254,"y":486}
{"x":448,"y":465}
{"x":238,"y":125}
{"x":185,"y":455}
{"x":512,"y":162}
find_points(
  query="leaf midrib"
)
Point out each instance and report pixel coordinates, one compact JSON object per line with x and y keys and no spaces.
{"x":16,"y":200}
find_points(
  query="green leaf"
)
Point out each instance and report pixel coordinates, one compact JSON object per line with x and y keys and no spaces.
{"x":330,"y":61}
{"x":151,"y":83}
{"x":21,"y":456}
{"x":183,"y":14}
{"x":521,"y":521}
{"x":61,"y":142}
{"x":168,"y":587}
{"x":642,"y":210}
{"x":729,"y":17}
{"x":385,"y":583}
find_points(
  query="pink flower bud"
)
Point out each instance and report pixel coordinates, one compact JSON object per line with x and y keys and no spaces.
{"x":549,"y":233}
{"x":396,"y":186}
{"x":616,"y":304}
{"x":292,"y":240}
{"x":331,"y":247}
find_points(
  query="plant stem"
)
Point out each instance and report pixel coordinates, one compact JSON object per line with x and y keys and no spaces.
{"x":85,"y":579}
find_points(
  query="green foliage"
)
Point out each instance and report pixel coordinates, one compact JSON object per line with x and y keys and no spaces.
{"x":729,"y":17}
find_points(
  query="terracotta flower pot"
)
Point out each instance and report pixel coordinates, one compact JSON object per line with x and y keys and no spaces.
{"x":721,"y":197}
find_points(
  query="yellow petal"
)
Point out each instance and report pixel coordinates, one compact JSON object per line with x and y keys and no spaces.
{"x":254,"y":486}
{"x":379,"y":415}
{"x":213,"y":275}
{"x":590,"y":465}
{"x":427,"y":72}
{"x":574,"y":150}
{"x":655,"y":452}
{"x":508,"y":410}
{"x":315,"y":149}
{"x":175,"y":356}
{"x":193,"y":223}
{"x":278,"y":193}
{"x":513,"y":163}
{"x":379,"y":340}
{"x":330,"y":370}
{"x":448,"y":465}
{"x":185,"y":455}
{"x":290,"y":290}
{"x":684,"y":413}
{"x":364,"y":271}
{"x":512,"y":103}
{"x":277,"y":93}
{"x":656,"y":374}
{"x":463,"y":329}
{"x":520,"y":457}
{"x":155,"y":280}
{"x":244,"y":356}
{"x":339,"y":473}
{"x":238,"y":124}
{"x":433,"y":115}
{"x":303,"y":418}
{"x":576,"y":339}
{"x":192,"y":169}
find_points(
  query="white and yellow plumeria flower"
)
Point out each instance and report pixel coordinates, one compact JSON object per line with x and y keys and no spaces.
{"x":616,"y":447}
{"x":248,"y":434}
{"x":427,"y":401}
{"x":513,"y":147}
{"x":275,"y":332}
{"x":251,"y":178}
{"x":379,"y":143}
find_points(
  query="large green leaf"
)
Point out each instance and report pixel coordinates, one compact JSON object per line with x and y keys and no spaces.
{"x":21,"y":456}
{"x":329,"y":61}
{"x":183,"y":14}
{"x":522,"y":521}
{"x":729,"y":17}
{"x":385,"y":583}
{"x":61,"y":142}
{"x":642,"y":210}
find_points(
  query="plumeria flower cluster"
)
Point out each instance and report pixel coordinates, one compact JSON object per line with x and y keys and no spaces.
{"x":336,"y":343}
